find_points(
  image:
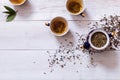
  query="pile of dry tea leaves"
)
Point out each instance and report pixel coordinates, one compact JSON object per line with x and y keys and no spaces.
{"x":111,"y":25}
{"x":63,"y":55}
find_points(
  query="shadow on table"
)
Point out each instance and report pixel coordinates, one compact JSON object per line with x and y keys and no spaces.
{"x":66,"y":41}
{"x":79,"y":17}
{"x":24,"y":10}
{"x":107,"y":59}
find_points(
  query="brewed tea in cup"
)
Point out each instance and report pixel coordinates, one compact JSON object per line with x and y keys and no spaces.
{"x":17,"y":2}
{"x":59,"y":26}
{"x":75,"y":7}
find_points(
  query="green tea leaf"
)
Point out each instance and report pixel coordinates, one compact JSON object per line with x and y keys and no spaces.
{"x":7,"y":12}
{"x":10,"y":17}
{"x":10,"y":12}
{"x":10,"y":9}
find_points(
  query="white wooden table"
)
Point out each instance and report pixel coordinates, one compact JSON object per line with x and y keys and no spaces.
{"x":24,"y":42}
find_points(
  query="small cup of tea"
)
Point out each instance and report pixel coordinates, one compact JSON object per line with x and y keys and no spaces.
{"x":75,"y":7}
{"x":17,"y":2}
{"x":99,"y":39}
{"x":58,"y":26}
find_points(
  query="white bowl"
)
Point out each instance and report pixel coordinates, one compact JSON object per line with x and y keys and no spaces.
{"x":102,"y":31}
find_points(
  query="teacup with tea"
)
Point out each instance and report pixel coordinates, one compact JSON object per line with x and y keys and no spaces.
{"x":75,"y":7}
{"x":17,"y":2}
{"x":59,"y":26}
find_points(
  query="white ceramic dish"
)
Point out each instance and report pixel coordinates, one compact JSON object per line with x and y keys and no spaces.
{"x":102,"y":31}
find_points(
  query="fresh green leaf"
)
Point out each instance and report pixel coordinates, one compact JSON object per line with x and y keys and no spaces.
{"x":9,"y":9}
{"x":10,"y":17}
{"x":7,"y":12}
{"x":10,"y":12}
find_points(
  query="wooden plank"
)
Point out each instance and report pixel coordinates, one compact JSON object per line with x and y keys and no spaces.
{"x":35,"y":35}
{"x":46,"y":10}
{"x":31,"y":65}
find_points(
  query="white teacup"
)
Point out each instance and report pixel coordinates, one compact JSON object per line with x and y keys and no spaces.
{"x":100,"y":31}
{"x":75,"y":7}
{"x":59,"y":26}
{"x":17,"y":2}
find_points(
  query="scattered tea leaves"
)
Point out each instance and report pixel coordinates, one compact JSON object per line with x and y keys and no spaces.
{"x":64,"y":55}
